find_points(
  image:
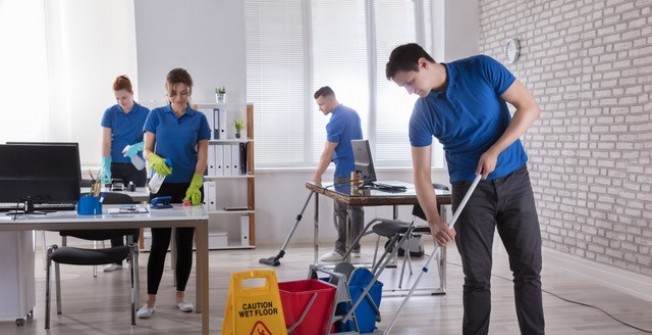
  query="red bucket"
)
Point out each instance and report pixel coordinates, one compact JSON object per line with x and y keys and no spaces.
{"x":295,"y":299}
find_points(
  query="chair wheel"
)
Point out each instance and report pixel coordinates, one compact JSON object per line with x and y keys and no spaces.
{"x":20,"y":322}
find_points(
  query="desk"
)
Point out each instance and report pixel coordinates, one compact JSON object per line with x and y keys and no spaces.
{"x":178,"y":216}
{"x":369,"y":197}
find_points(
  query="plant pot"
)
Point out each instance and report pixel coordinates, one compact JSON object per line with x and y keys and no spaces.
{"x":220,"y":98}
{"x":237,"y":135}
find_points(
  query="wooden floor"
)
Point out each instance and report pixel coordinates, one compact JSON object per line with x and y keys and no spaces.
{"x":100,"y":305}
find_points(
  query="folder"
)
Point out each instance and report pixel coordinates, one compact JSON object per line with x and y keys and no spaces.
{"x":210,"y":162}
{"x":226,"y":159}
{"x":235,"y":160}
{"x":215,"y":124}
{"x":210,"y":195}
{"x":244,"y":230}
{"x":243,"y":158}
{"x":208,"y":112}
{"x":219,"y":160}
{"x":221,"y":121}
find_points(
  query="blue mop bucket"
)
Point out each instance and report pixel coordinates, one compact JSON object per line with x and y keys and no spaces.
{"x":366,"y":314}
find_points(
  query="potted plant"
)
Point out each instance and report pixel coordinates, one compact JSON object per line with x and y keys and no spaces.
{"x":220,"y":94}
{"x":239,"y":125}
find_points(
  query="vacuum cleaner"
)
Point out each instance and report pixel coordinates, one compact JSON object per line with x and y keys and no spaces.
{"x":276,"y":260}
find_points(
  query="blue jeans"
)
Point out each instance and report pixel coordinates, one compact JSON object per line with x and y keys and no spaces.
{"x":507,"y":205}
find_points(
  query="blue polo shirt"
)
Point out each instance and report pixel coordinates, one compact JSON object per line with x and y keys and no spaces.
{"x":343,"y":126}
{"x":468,"y":118}
{"x":177,"y":138}
{"x":126,"y":128}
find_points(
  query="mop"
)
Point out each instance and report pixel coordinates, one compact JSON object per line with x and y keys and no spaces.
{"x":276,"y":260}
{"x":435,"y":254}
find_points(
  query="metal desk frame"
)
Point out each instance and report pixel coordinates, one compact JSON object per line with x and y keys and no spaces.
{"x":366,"y":198}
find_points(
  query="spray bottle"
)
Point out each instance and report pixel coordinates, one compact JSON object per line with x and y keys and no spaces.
{"x":156,"y":180}
{"x":136,"y":160}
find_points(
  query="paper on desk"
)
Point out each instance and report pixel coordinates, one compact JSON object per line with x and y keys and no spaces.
{"x":128,"y":210}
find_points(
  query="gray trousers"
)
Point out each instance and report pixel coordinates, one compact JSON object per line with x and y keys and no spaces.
{"x":506,"y":205}
{"x":343,"y":213}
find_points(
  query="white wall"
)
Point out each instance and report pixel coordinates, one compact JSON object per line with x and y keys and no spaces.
{"x":455,"y":38}
{"x":90,"y":43}
{"x":206,"y":37}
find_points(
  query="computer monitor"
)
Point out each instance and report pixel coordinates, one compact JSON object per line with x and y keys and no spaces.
{"x":39,"y":173}
{"x":364,"y":163}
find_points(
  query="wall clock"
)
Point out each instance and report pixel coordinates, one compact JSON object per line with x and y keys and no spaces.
{"x":512,"y":50}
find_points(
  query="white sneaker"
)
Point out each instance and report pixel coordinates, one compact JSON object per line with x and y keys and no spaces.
{"x":332,"y":256}
{"x":186,"y":307}
{"x":112,"y":267}
{"x":355,"y":254}
{"x":145,"y":312}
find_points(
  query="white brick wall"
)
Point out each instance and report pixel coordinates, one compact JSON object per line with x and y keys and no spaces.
{"x":589,"y":64}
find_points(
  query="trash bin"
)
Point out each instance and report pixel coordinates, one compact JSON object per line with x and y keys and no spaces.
{"x":301,"y":316}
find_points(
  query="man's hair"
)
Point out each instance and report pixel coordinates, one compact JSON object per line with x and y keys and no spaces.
{"x":178,"y":76}
{"x":405,"y":58}
{"x":325,"y":91}
{"x":122,"y":83}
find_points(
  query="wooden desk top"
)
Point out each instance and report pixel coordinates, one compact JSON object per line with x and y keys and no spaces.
{"x":353,"y":196}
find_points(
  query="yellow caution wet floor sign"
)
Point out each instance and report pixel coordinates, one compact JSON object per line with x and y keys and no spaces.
{"x":253,"y":305}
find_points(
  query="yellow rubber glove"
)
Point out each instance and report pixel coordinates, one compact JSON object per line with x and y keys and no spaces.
{"x":158,"y":164}
{"x":193,"y":194}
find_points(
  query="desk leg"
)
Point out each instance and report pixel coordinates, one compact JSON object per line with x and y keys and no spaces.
{"x":202,"y":277}
{"x":316,"y":234}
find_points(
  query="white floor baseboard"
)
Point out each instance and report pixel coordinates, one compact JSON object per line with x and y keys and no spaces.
{"x":635,"y":284}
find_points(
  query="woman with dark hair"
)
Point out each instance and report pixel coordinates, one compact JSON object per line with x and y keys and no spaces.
{"x":179,"y":134}
{"x":122,"y":125}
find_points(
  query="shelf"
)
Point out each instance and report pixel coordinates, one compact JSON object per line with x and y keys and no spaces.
{"x":240,"y":176}
{"x":222,"y":212}
{"x":230,"y":141}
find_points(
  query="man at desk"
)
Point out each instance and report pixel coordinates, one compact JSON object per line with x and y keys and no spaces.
{"x":463,"y":104}
{"x":343,"y":127}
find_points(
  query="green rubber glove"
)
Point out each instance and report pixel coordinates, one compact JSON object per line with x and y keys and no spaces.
{"x":193,"y":194}
{"x":133,"y":149}
{"x":158,"y":164}
{"x":105,"y":176}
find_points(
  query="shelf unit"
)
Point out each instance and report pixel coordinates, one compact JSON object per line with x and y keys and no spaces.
{"x":230,"y":187}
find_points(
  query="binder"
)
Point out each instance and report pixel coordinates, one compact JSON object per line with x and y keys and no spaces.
{"x":244,"y":230}
{"x":221,"y":122}
{"x":219,"y":160}
{"x":208,"y":112}
{"x":242,"y":147}
{"x":226,"y":159}
{"x":210,"y":162}
{"x":210,"y":195}
{"x":215,"y":118}
{"x":235,"y":160}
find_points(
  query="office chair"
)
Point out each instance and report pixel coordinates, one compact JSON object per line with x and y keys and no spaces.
{"x":82,"y":256}
{"x":110,"y":198}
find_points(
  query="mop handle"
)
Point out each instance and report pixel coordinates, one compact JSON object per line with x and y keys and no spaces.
{"x":436,"y":253}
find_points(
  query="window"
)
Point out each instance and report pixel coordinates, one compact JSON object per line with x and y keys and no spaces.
{"x":296,"y":46}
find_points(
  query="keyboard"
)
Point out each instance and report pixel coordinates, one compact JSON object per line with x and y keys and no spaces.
{"x":5,"y":207}
{"x":389,"y":188}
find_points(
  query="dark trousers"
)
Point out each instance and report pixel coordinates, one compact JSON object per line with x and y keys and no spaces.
{"x":161,"y":242}
{"x":506,"y":205}
{"x":127,"y":172}
{"x":341,"y":214}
